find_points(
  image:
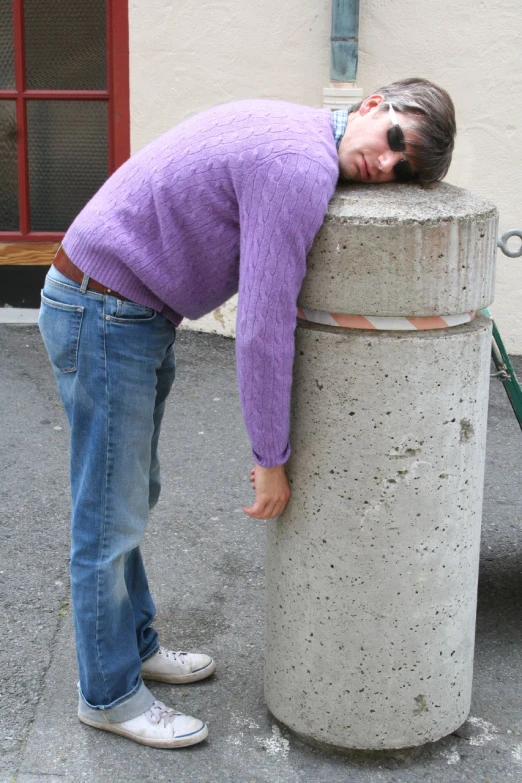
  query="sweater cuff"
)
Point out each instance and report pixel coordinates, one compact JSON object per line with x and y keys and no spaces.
{"x":271,"y":460}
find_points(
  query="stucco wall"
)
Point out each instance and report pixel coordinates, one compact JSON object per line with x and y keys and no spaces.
{"x":188,"y":55}
{"x":473,"y":49}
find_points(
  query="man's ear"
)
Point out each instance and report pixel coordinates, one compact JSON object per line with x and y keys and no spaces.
{"x":369,"y":103}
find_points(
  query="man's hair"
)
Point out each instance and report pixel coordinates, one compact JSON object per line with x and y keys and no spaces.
{"x":431,"y":117}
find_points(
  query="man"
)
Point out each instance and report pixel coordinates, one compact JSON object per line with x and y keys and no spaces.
{"x":229,"y":200}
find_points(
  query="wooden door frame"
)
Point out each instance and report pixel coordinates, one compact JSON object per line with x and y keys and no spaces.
{"x":38,"y":247}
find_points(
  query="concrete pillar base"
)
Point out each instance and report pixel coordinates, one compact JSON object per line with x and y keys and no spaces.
{"x":372,"y":569}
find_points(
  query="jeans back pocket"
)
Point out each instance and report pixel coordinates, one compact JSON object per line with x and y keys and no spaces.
{"x":60,"y":325}
{"x":123,"y":310}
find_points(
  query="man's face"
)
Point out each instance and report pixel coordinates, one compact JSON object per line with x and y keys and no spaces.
{"x":364,"y":153}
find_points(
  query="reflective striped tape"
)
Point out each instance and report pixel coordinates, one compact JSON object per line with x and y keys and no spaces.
{"x":401,"y":323}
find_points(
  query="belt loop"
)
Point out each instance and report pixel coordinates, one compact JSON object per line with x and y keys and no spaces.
{"x":85,"y":283}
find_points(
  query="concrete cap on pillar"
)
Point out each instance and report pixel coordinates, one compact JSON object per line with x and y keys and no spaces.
{"x":416,"y":252}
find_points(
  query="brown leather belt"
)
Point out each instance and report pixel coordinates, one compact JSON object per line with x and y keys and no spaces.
{"x":63,"y":264}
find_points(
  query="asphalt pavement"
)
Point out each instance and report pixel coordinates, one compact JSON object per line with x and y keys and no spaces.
{"x":205,"y":561}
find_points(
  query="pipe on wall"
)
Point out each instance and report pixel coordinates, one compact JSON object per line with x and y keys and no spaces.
{"x":344,"y":40}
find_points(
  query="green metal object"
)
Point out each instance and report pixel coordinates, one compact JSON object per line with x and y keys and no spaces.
{"x":505,"y":371}
{"x":344,"y":40}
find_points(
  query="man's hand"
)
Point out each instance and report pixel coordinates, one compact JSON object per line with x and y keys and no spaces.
{"x":272,"y":492}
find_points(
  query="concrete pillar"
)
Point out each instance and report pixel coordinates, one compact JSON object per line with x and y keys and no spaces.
{"x":372,"y":568}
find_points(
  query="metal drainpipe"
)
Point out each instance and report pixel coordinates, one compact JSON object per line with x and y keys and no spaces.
{"x":343,"y":90}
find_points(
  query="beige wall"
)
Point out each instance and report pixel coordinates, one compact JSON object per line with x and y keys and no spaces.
{"x":474,"y":49}
{"x":188,"y":55}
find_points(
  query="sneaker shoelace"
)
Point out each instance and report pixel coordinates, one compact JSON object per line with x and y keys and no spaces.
{"x":177,"y":656}
{"x":160,"y":712}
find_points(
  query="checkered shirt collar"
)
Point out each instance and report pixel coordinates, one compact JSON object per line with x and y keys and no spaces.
{"x":340,"y":119}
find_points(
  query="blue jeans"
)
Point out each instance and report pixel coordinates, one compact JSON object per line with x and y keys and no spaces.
{"x":114,"y":365}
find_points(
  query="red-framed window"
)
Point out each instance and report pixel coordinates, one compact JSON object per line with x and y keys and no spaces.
{"x":64,"y":110}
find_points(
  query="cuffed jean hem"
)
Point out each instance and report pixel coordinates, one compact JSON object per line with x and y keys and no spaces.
{"x":138,"y":702}
{"x":149,"y":655}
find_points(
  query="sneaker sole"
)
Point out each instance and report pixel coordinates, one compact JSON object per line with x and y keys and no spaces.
{"x":200,"y":674}
{"x":178,"y":742}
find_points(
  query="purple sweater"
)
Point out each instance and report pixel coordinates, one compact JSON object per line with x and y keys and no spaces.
{"x":228,"y":200}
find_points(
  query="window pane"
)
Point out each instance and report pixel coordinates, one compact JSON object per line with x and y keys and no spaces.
{"x":65,"y":46}
{"x":8,"y":166}
{"x":68,"y":159}
{"x":7,"y":75}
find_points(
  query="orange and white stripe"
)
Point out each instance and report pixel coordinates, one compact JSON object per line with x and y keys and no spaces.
{"x":391,"y":323}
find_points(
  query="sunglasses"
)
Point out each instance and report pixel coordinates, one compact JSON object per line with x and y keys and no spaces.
{"x":397,"y":143}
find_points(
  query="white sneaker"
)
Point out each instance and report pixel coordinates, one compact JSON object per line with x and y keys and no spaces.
{"x":159,"y":727}
{"x":170,"y":666}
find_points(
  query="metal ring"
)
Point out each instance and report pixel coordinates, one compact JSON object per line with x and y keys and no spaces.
{"x":502,"y":243}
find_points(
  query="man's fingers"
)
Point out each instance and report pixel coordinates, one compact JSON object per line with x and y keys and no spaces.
{"x":272,"y":492}
{"x":259,"y":513}
{"x":265,"y":509}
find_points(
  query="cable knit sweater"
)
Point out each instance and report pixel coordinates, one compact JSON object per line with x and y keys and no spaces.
{"x":228,"y":200}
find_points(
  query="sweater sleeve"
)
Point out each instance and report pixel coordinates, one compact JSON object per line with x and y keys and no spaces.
{"x":282,"y":208}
